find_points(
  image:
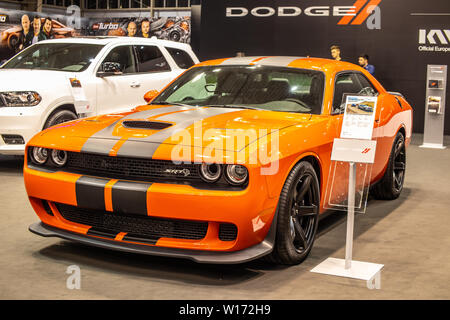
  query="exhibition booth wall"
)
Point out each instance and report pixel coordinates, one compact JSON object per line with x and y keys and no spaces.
{"x":401,"y":37}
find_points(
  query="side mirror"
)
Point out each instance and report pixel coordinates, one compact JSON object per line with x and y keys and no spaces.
{"x":108,"y":69}
{"x":149,"y":96}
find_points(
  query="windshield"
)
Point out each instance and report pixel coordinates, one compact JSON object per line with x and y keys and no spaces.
{"x":259,"y":87}
{"x":74,"y":57}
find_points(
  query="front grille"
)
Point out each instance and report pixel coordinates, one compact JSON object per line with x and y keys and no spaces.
{"x":145,"y":227}
{"x":130,"y":168}
{"x":150,"y":125}
{"x":227,"y":232}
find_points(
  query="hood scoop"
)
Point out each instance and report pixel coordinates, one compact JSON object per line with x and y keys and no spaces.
{"x":149,"y":125}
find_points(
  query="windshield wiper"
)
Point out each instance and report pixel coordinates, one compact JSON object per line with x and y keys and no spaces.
{"x":166,"y":103}
{"x":232,"y":106}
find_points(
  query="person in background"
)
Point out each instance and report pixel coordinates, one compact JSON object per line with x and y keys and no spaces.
{"x":145,"y":28}
{"x":47,"y":28}
{"x":37,"y":34}
{"x":363,"y":61}
{"x":131,"y":29}
{"x":26,"y":35}
{"x":336,"y":53}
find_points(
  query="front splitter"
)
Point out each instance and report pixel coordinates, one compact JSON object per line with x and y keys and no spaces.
{"x":235,"y":257}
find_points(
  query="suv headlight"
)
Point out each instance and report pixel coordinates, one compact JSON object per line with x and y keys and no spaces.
{"x":19,"y":99}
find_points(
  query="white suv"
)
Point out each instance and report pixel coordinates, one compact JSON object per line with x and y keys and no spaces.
{"x":60,"y":80}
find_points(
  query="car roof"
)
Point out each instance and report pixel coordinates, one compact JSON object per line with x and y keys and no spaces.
{"x":104,"y":40}
{"x":283,"y":61}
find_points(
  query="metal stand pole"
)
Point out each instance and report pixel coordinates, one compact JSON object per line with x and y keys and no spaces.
{"x":351,"y":215}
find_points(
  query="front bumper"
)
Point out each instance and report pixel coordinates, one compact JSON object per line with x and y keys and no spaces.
{"x":250,"y":210}
{"x":245,"y":255}
{"x":25,"y":121}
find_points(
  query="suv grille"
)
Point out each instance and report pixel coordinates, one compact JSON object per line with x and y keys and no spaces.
{"x":144,"y":227}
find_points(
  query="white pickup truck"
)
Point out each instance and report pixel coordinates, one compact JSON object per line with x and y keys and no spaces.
{"x":58,"y":80}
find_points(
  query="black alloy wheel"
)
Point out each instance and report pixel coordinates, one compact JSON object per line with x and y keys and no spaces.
{"x":399,"y":165}
{"x":298,"y":215}
{"x":304,"y":213}
{"x":391,"y":185}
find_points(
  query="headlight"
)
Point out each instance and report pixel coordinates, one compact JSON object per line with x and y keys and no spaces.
{"x":210,"y":172}
{"x":19,"y":98}
{"x":236,"y":174}
{"x":59,"y":157}
{"x":39,"y":155}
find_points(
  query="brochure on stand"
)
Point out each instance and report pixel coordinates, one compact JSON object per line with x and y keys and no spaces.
{"x":359,"y":116}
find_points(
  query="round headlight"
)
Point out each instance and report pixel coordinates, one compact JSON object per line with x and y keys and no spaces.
{"x":59,"y":157}
{"x":236,"y":174}
{"x":210,"y":172}
{"x":39,"y":155}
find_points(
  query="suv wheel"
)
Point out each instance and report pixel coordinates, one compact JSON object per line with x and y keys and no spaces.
{"x":58,"y":117}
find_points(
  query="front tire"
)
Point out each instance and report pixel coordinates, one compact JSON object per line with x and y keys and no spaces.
{"x":58,"y":117}
{"x":298,"y":213}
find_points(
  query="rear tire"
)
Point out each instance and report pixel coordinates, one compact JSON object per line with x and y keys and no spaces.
{"x":58,"y":117}
{"x":391,"y":185}
{"x":297,"y":219}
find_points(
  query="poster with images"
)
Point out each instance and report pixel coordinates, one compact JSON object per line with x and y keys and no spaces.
{"x":20,"y":29}
{"x":359,"y":117}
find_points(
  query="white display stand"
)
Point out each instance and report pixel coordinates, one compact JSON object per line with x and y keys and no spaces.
{"x":432,"y":146}
{"x":371,"y":272}
{"x":433,"y":135}
{"x":353,"y":151}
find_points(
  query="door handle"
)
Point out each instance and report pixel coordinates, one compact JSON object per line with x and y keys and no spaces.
{"x":135,"y":84}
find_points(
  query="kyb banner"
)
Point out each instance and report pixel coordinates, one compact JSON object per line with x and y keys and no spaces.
{"x":434,"y":40}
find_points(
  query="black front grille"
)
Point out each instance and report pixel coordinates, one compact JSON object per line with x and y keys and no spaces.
{"x":138,"y":226}
{"x":150,"y":125}
{"x":227,"y":232}
{"x":130,"y":168}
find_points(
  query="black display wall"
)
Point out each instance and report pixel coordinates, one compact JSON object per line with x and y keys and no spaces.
{"x":397,"y":49}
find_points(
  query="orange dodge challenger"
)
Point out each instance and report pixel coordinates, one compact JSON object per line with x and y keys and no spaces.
{"x":227,"y":164}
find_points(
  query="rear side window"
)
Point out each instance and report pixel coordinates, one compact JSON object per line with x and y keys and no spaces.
{"x":182,"y":58}
{"x":151,"y":59}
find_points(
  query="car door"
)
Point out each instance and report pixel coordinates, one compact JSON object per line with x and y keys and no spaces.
{"x":348,"y":83}
{"x":121,"y":92}
{"x":154,"y":70}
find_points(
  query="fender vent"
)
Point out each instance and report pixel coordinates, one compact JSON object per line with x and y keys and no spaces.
{"x":150,"y":125}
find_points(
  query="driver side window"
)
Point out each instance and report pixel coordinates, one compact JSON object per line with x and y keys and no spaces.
{"x":347,"y":84}
{"x":124,"y":56}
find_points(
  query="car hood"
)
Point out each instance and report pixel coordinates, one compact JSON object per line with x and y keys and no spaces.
{"x":155,"y":131}
{"x":33,"y":80}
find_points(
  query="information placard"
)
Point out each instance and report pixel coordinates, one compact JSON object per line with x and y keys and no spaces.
{"x":359,"y":117}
